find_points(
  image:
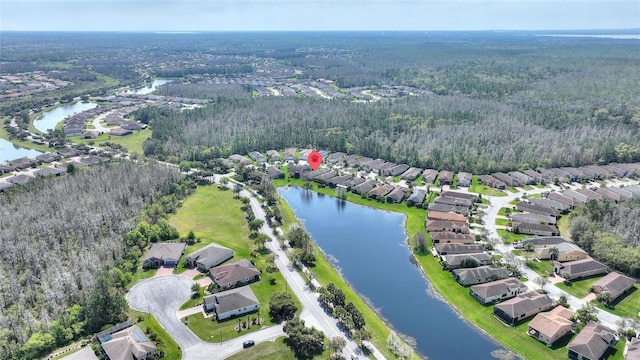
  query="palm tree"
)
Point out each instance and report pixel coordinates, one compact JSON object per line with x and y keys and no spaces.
{"x":554,"y":252}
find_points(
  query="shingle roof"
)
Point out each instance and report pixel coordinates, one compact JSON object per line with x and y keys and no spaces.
{"x":165,"y":251}
{"x":552,"y":322}
{"x":455,"y":260}
{"x":593,"y":341}
{"x":230,"y":300}
{"x":128,"y":344}
{"x":231,"y":273}
{"x":545,"y":240}
{"x":458,"y":248}
{"x":479,"y":273}
{"x":525,"y":303}
{"x":211,"y":255}
{"x":633,"y":352}
{"x":615,"y":283}
{"x":497,"y":287}
{"x":580,"y":266}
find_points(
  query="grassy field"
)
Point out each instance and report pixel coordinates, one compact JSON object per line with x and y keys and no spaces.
{"x":132,"y":142}
{"x":508,"y":237}
{"x":169,"y":346}
{"x":276,"y":350}
{"x":542,"y":268}
{"x":479,"y":188}
{"x":215,"y":216}
{"x":503,"y":222}
{"x":563,"y":226}
{"x":579,"y":288}
{"x":627,"y":305}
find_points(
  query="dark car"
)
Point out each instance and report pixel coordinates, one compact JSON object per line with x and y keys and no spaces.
{"x":248,"y":343}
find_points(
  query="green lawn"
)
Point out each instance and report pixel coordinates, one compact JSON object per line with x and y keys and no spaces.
{"x":25,"y":144}
{"x":527,"y":187}
{"x":542,"y":268}
{"x":169,"y":346}
{"x":627,"y":305}
{"x":579,"y":288}
{"x":563,"y":226}
{"x":517,"y":252}
{"x":276,"y":350}
{"x":132,"y":142}
{"x":503,"y":222}
{"x":479,"y":188}
{"x":508,"y":237}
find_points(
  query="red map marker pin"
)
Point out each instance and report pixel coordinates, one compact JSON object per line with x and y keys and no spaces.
{"x":314,"y":159}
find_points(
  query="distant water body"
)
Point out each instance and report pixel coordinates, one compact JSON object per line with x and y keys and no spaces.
{"x":369,"y":248}
{"x":613,"y":36}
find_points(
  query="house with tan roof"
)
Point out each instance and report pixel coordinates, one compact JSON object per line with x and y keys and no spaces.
{"x":633,"y":349}
{"x":550,"y":326}
{"x":129,"y":343}
{"x":163,"y":254}
{"x":592,"y":342}
{"x":567,"y":251}
{"x":521,"y":307}
{"x":440,"y":225}
{"x":235,"y":274}
{"x":614,"y":283}
{"x":446,"y":216}
{"x":496,"y":291}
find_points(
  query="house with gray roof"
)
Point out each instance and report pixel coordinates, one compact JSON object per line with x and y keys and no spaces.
{"x":274,"y":155}
{"x":610,"y":195}
{"x":453,"y":248}
{"x":364,"y":187}
{"x":592,"y":342}
{"x":522,"y":178}
{"x":21,"y":179}
{"x":544,"y":241}
{"x":417,"y":197}
{"x":492,"y":182}
{"x":274,"y":173}
{"x":536,"y":176}
{"x":556,"y":196}
{"x":561,"y":175}
{"x":411,"y":174}
{"x":447,"y":237}
{"x":521,"y":307}
{"x":576,"y":196}
{"x":496,"y":291}
{"x":4,"y":186}
{"x":506,"y":179}
{"x":453,"y":201}
{"x":86,"y":353}
{"x":380,"y":191}
{"x":352,"y":160}
{"x":548,"y":203}
{"x":615,"y":284}
{"x":537,"y":209}
{"x":455,"y":261}
{"x":239,"y":159}
{"x":479,"y":275}
{"x":257,"y":157}
{"x":446,"y":177}
{"x":547,"y":176}
{"x":231,"y":303}
{"x":46,"y":171}
{"x":336,"y":157}
{"x":337,"y":180}
{"x":396,"y":195}
{"x":635,"y":190}
{"x":633,"y":349}
{"x":209,"y":256}
{"x":533,"y":218}
{"x":464,"y":179}
{"x":163,"y":254}
{"x":23,"y":162}
{"x":397,"y":170}
{"x":289,"y":154}
{"x":580,"y":268}
{"x":429,"y":176}
{"x":48,"y":157}
{"x":535,"y":229}
{"x":590,"y":194}
{"x":448,"y":208}
{"x":624,"y":193}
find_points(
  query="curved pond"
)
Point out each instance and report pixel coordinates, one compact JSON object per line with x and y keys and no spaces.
{"x":369,"y":248}
{"x":49,"y":119}
{"x":149,"y":88}
{"x":9,"y":151}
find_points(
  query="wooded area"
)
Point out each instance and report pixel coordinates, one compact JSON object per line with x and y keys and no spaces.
{"x":610,"y":232}
{"x":66,"y":258}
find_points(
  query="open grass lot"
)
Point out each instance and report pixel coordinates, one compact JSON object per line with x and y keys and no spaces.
{"x":169,"y":346}
{"x":542,"y":268}
{"x":276,"y":350}
{"x":579,"y":288}
{"x":508,"y":237}
{"x":627,"y":305}
{"x":215,"y":216}
{"x":479,"y":188}
{"x":503,"y":222}
{"x":563,"y":226}
{"x":132,"y":142}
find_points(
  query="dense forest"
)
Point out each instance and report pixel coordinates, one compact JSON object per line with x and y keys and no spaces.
{"x":610,"y":232}
{"x":69,"y":246}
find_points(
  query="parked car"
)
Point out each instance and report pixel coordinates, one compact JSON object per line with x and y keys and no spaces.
{"x":248,"y":343}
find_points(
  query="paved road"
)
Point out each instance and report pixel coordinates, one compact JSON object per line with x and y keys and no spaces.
{"x":554,"y":292}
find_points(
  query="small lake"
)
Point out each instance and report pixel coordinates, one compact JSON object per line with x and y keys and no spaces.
{"x":149,"y":88}
{"x":49,"y":119}
{"x":368,"y":246}
{"x":9,"y":151}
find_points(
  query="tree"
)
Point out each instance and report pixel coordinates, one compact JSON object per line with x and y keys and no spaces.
{"x":528,"y":249}
{"x":237,"y":188}
{"x":586,"y":313}
{"x":71,"y":168}
{"x":356,"y":315}
{"x":541,"y":281}
{"x":605,"y":297}
{"x":336,"y":344}
{"x":563,"y":301}
{"x":195,"y":288}
{"x":420,"y":242}
{"x":281,"y":306}
{"x":468,"y":263}
{"x":303,"y":340}
{"x":255,"y":224}
{"x":191,"y":236}
{"x":106,"y":304}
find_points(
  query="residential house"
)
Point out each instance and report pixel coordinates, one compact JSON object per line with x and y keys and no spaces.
{"x":521,"y":307}
{"x":351,"y":160}
{"x":535,"y":229}
{"x":380,"y":191}
{"x":548,"y":327}
{"x":132,"y":125}
{"x":498,"y":290}
{"x":439,"y":225}
{"x":453,"y":248}
{"x":615,"y":284}
{"x":536,"y":176}
{"x":624,"y":193}
{"x":522,"y":178}
{"x":93,"y":160}
{"x":580,"y":268}
{"x":567,"y":251}
{"x":411,"y":174}
{"x":289,"y":154}
{"x":86,"y":353}
{"x":445,"y":178}
{"x":163,"y":254}
{"x":304,"y":154}
{"x":48,"y":157}
{"x":90,"y":134}
{"x":574,"y":174}
{"x":335,"y":181}
{"x":533,"y":218}
{"x":458,"y":195}
{"x":479,"y":275}
{"x":547,"y":176}
{"x":635,"y":190}
{"x":429,"y":176}
{"x":298,"y":171}
{"x":615,"y":170}
{"x":544,"y":241}
{"x":385,"y":168}
{"x":556,"y":196}
{"x":506,"y":179}
{"x":68,"y":152}
{"x":364,"y":187}
{"x":448,"y":208}
{"x":446,"y":216}
{"x":21,"y":179}
{"x":561,"y":175}
{"x":239,"y":159}
{"x":576,"y":196}
{"x":4,"y":186}
{"x":396,"y":195}
{"x":397,"y":170}
{"x":130,"y":343}
{"x":600,"y":172}
{"x":209,"y":256}
{"x":492,"y":182}
{"x":325,"y":176}
{"x":455,"y":261}
{"x":587,"y":174}
{"x":22,"y":163}
{"x":274,"y":156}
{"x":608,"y":194}
{"x":274,"y":173}
{"x":120,"y":132}
{"x":231,"y":303}
{"x":633,"y":349}
{"x":447,"y":237}
{"x":464,"y":179}
{"x":373,"y":165}
{"x":46,"y":171}
{"x":417,"y":197}
{"x":537,"y":209}
{"x":361,"y":161}
{"x":336,"y":157}
{"x":7,"y":168}
{"x":592,"y":342}
{"x":235,"y":274}
{"x":548,"y":203}
{"x":453,"y":201}
{"x":258,"y":157}
{"x":590,"y":194}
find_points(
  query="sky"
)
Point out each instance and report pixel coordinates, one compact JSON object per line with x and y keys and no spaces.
{"x":307,"y":15}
